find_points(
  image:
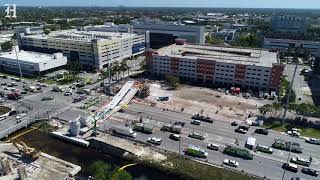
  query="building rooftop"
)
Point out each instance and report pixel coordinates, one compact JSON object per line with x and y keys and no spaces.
{"x":221,"y":54}
{"x":78,"y":35}
{"x":28,"y":56}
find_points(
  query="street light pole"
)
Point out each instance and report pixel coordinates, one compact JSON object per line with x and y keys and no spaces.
{"x":289,"y":94}
{"x":15,"y":50}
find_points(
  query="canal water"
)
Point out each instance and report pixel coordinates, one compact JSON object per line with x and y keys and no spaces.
{"x":84,"y":157}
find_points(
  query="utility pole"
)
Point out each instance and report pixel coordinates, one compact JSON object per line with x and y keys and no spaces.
{"x":15,"y":50}
{"x":109,"y":71}
{"x":289,"y":94}
{"x":284,"y":171}
{"x":179,"y":146}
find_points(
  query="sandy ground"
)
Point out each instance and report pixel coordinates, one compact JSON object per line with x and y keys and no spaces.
{"x":214,"y":104}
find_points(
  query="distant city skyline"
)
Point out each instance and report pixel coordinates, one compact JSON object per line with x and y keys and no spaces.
{"x":297,"y":4}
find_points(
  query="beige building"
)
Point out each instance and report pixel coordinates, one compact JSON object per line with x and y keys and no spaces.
{"x":90,"y":48}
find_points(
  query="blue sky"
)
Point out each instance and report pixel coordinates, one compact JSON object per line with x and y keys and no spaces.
{"x":309,"y":4}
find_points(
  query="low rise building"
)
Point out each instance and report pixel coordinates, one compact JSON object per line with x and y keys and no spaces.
{"x":284,"y":44}
{"x":31,"y":63}
{"x":165,"y":34}
{"x":246,"y":68}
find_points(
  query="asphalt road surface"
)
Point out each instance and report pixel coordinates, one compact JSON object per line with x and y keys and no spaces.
{"x":222,"y":133}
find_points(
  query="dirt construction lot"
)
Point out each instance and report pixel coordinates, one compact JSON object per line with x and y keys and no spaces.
{"x":214,"y":103}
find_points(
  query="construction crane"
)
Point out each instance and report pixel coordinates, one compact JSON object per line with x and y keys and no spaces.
{"x":26,"y":151}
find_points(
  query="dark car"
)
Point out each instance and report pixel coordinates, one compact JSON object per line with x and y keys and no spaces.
{"x":175,"y":137}
{"x":244,"y":127}
{"x":12,"y":113}
{"x":309,"y":171}
{"x":3,"y":84}
{"x":262,"y":131}
{"x":179,"y":123}
{"x":24,"y":92}
{"x":207,"y":119}
{"x":234,"y":123}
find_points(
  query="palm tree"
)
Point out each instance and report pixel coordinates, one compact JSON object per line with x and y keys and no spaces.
{"x":124,"y":67}
{"x":116,"y":68}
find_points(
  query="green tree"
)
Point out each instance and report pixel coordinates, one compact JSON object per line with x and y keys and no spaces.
{"x":121,"y":175}
{"x":249,"y":40}
{"x":6,"y":46}
{"x":271,"y":110}
{"x":74,"y":66}
{"x":101,"y":170}
{"x":303,"y":110}
{"x":214,"y":41}
{"x":173,"y":81}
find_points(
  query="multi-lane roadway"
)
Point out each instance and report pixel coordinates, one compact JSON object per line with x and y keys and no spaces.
{"x":221,"y":133}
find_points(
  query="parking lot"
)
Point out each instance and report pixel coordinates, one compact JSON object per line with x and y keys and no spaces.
{"x":35,"y":104}
{"x":300,"y":86}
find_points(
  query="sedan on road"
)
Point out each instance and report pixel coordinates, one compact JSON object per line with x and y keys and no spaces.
{"x":232,"y":163}
{"x":239,"y":130}
{"x":234,"y":123}
{"x":47,"y":98}
{"x":175,"y":137}
{"x":215,"y":147}
{"x":265,"y":149}
{"x":154,"y":140}
{"x":262,"y":131}
{"x":309,"y":171}
{"x":195,"y":122}
{"x":196,"y":135}
{"x":313,"y":141}
{"x":300,"y":161}
{"x":19,"y":116}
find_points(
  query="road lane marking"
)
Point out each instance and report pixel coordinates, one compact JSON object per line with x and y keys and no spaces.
{"x":279,"y":153}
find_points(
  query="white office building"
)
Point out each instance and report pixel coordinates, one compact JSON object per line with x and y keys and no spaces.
{"x":31,"y":63}
{"x":284,"y":44}
{"x":91,"y":48}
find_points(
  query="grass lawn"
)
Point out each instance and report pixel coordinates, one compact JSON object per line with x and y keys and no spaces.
{"x":184,"y":168}
{"x":49,"y":81}
{"x":4,"y":110}
{"x":309,"y":132}
{"x":18,"y":76}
